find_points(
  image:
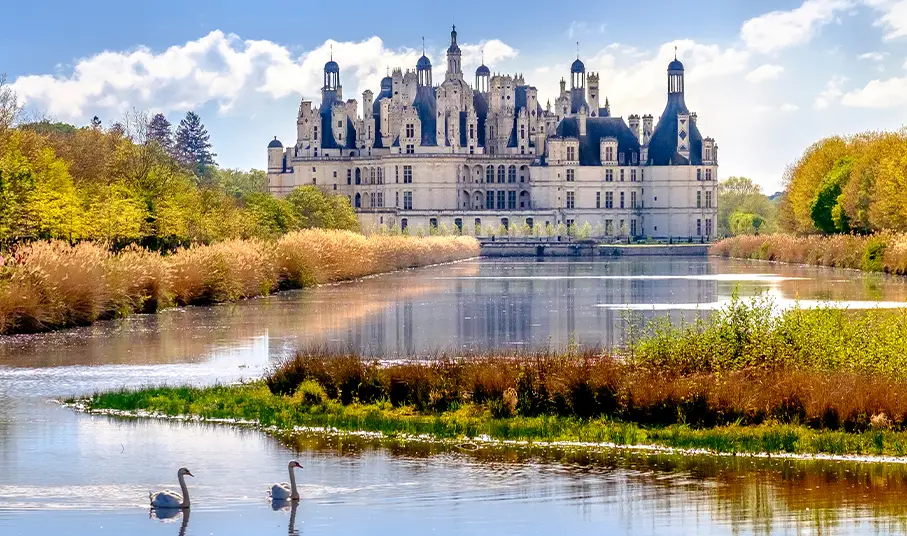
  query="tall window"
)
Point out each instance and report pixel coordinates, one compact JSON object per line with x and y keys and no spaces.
{"x":380,"y":199}
{"x":489,"y":199}
{"x":571,"y":153}
{"x":698,"y":199}
{"x":621,"y":175}
{"x":522,"y":132}
{"x":708,"y":226}
{"x":621,"y":159}
{"x":511,"y":199}
{"x":397,"y":174}
{"x":397,"y":199}
{"x":708,"y":200}
{"x":632,"y":175}
{"x":609,"y":199}
{"x":407,"y":174}
{"x":373,"y":201}
{"x":511,"y":174}
{"x":501,"y":174}
{"x":609,"y":227}
{"x":458,"y":223}
{"x":632,"y":227}
{"x":489,"y":174}
{"x":642,"y":174}
{"x":407,"y":200}
{"x":410,"y":130}
{"x":621,"y":200}
{"x":403,"y":224}
{"x":371,"y":177}
{"x":609,"y":154}
{"x":380,"y":175}
{"x":633,"y":200}
{"x":349,"y":176}
{"x":698,"y":174}
{"x":698,"y":227}
{"x":571,"y":175}
{"x":609,"y":175}
{"x":502,"y":200}
{"x":598,"y":200}
{"x":708,"y":153}
{"x":570,"y":200}
{"x":472,"y":132}
{"x":708,"y":174}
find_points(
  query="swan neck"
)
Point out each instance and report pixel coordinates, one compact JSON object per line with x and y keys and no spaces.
{"x":185,"y":490}
{"x":293,"y":493}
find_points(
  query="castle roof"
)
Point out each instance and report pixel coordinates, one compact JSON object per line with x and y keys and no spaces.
{"x":331,"y":67}
{"x":423,"y":63}
{"x":663,"y":144}
{"x":578,"y":67}
{"x":596,"y":129}
{"x":275,"y":143}
{"x":483,"y":71}
{"x":675,"y":65}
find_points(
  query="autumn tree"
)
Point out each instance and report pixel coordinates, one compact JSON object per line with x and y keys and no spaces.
{"x":740,"y":195}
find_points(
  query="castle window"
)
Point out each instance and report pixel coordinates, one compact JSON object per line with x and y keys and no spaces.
{"x":622,"y":158}
{"x":609,"y":175}
{"x":621,"y":175}
{"x":698,"y":227}
{"x":502,"y":203}
{"x":489,"y":174}
{"x":642,"y":174}
{"x":633,"y":158}
{"x":403,"y":224}
{"x":598,"y":200}
{"x":609,"y":154}
{"x":571,"y":175}
{"x":371,"y":178}
{"x":609,"y":227}
{"x":511,"y":174}
{"x":571,"y":202}
{"x":335,"y":174}
{"x":609,"y":199}
{"x":410,"y":149}
{"x":501,"y":172}
{"x":478,"y":225}
{"x":571,"y":153}
{"x":698,"y":199}
{"x":530,"y":223}
{"x":458,"y":223}
{"x":708,"y":174}
{"x":621,"y":200}
{"x":523,"y":132}
{"x":380,"y":175}
{"x":708,"y":200}
{"x":698,"y":174}
{"x":316,"y":133}
{"x":511,"y":200}
{"x":708,"y":153}
{"x":632,"y":175}
{"x":407,"y":174}
{"x":380,"y":199}
{"x":349,"y":176}
{"x":372,"y":197}
{"x":489,"y":199}
{"x":358,"y":200}
{"x":472,"y":132}
{"x":632,"y":199}
{"x":358,"y":176}
{"x":407,"y":200}
{"x":633,"y":227}
{"x":410,"y":130}
{"x":708,"y":226}
{"x":433,"y":223}
{"x":397,"y":199}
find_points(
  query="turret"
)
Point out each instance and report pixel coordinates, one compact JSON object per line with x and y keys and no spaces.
{"x":633,"y":121}
{"x":454,"y":57}
{"x":275,"y":156}
{"x":592,"y":79}
{"x":647,"y":127}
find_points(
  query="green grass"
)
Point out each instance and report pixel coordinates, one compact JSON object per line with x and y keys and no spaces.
{"x":310,"y":408}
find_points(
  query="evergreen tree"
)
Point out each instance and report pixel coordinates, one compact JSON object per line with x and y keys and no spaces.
{"x":95,"y":123}
{"x":160,"y":130}
{"x":193,"y":146}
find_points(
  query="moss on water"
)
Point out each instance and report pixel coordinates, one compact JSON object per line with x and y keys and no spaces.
{"x":254,"y":402}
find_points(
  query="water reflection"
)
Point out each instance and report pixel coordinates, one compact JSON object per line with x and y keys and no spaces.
{"x":170,"y":514}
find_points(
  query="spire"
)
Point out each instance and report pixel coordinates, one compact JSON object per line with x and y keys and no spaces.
{"x":423,"y":45}
{"x":577,"y":50}
{"x":332,"y":51}
{"x":675,"y":52}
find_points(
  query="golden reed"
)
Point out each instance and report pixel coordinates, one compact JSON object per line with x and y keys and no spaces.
{"x":52,"y":285}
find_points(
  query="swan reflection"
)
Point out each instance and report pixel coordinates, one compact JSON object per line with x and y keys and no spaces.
{"x":283,"y":505}
{"x":169,"y":515}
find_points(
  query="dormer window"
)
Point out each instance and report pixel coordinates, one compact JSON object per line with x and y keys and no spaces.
{"x":410,"y":130}
{"x":571,"y":153}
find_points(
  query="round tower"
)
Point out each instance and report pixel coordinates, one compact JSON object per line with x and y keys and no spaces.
{"x":454,"y":56}
{"x":275,"y":156}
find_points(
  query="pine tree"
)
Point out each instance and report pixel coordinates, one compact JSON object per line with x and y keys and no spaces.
{"x":193,"y":146}
{"x":160,"y":131}
{"x":95,"y":123}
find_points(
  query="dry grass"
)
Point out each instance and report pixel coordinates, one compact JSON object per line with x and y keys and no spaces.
{"x":52,"y":285}
{"x":881,"y":252}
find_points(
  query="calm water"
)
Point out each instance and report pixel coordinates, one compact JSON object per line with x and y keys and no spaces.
{"x":66,"y":473}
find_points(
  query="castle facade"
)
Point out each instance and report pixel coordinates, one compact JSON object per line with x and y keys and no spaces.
{"x":480,"y":157}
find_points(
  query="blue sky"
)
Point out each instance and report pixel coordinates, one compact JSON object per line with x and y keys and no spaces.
{"x":767,"y":78}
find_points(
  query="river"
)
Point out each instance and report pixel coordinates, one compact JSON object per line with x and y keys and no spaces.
{"x":66,"y":473}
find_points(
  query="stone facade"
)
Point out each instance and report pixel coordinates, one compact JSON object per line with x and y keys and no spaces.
{"x":482,"y":156}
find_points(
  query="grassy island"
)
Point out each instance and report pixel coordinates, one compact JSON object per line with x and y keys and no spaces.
{"x":747,"y":380}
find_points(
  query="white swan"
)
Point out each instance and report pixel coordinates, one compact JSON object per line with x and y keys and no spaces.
{"x":284,"y":491}
{"x":169,"y":499}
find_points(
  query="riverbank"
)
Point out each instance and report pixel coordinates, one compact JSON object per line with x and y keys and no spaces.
{"x":53,"y":285}
{"x":521,"y":247}
{"x":880,"y":252}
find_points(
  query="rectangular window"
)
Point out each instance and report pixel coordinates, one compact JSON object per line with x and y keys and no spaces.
{"x":511,"y":174}
{"x":609,"y":175}
{"x":522,"y":132}
{"x":698,"y":174}
{"x":633,"y":200}
{"x":380,"y":199}
{"x":708,"y":226}
{"x":571,"y":153}
{"x":410,"y":130}
{"x":708,"y":174}
{"x":642,"y":175}
{"x":335,"y":174}
{"x":632,"y":227}
{"x":511,"y":200}
{"x":397,"y":174}
{"x":633,"y":157}
{"x":407,"y":174}
{"x":502,"y":200}
{"x":621,"y":175}
{"x":609,"y":227}
{"x":410,"y":149}
{"x":623,"y":228}
{"x":698,"y":199}
{"x":609,"y":154}
{"x":397,"y":199}
{"x":609,"y":199}
{"x":489,"y":199}
{"x":621,"y":200}
{"x":621,"y":159}
{"x":708,"y":154}
{"x":708,"y":200}
{"x":349,"y":176}
{"x":598,"y":200}
{"x":570,"y":200}
{"x":472,"y":132}
{"x":380,"y":175}
{"x":698,"y":227}
{"x":407,"y":200}
{"x":632,"y":175}
{"x":570,"y":175}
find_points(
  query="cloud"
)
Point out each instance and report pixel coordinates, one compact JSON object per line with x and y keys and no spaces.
{"x":788,"y":107}
{"x":831,"y":94}
{"x":576,"y":28}
{"x":219,"y":68}
{"x":878,"y":94}
{"x":778,"y":30}
{"x":893,"y":16}
{"x":764,"y":73}
{"x":873,"y":56}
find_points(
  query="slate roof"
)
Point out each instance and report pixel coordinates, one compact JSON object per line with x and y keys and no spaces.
{"x":275,"y":143}
{"x":427,"y":108}
{"x":663,"y":144}
{"x":596,"y":129}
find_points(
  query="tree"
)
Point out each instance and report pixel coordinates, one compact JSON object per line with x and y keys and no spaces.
{"x":742,"y":195}
{"x":826,"y":214}
{"x":161,"y":131}
{"x":745,"y":223}
{"x":315,"y":209}
{"x":239,"y":183}
{"x":95,"y":123}
{"x":10,"y":110}
{"x":193,"y":146}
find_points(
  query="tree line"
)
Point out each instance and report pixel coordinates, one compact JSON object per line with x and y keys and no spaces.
{"x":139,"y":180}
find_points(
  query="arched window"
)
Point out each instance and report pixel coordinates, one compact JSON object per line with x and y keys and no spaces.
{"x":489,"y":174}
{"x":358,"y":200}
{"x":511,"y":174}
{"x":501,"y":172}
{"x":358,"y":177}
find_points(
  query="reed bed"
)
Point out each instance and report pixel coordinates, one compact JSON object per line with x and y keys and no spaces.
{"x":53,"y":285}
{"x":881,"y":252}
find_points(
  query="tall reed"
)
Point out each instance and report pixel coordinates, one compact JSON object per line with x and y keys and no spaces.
{"x":882,"y":252}
{"x":52,"y":285}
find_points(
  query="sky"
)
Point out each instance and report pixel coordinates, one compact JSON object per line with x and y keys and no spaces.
{"x":767,"y":78}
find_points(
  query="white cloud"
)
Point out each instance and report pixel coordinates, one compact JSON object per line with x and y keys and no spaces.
{"x":788,"y":107}
{"x":893,"y":16}
{"x":782,"y":29}
{"x":220,"y":68}
{"x":873,"y":56}
{"x":878,"y":94}
{"x":764,"y":73}
{"x":831,"y":94}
